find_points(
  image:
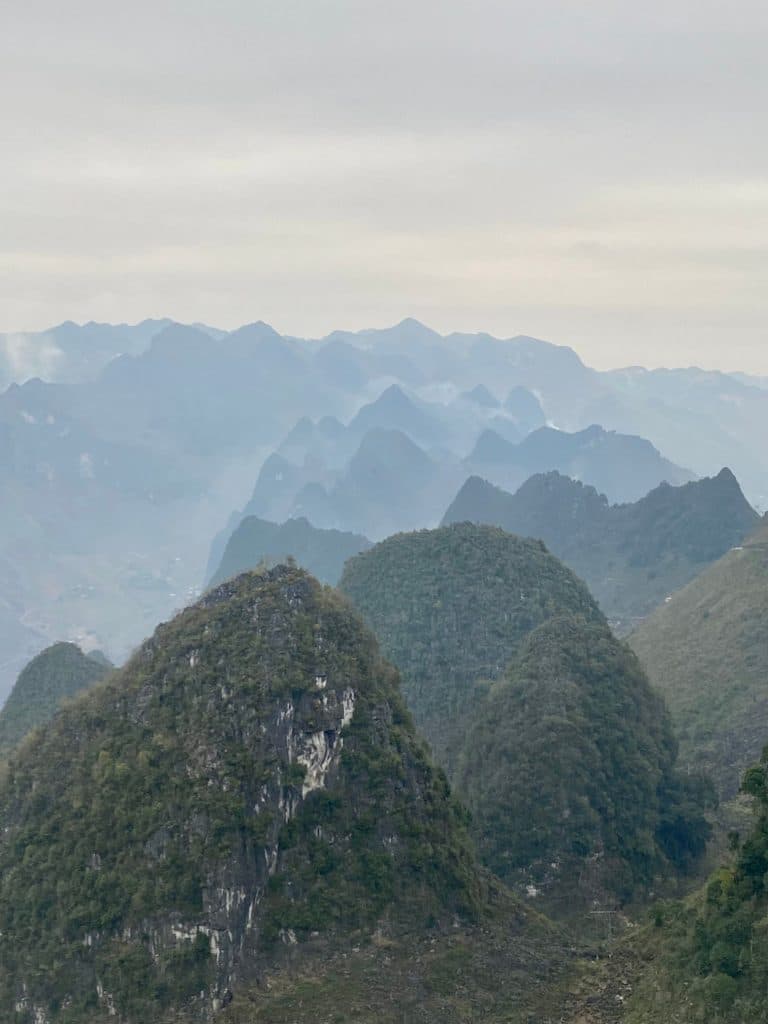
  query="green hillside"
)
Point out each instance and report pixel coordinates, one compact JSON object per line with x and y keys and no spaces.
{"x":706,"y":649}
{"x":247,"y":793}
{"x":567,"y":761}
{"x":58,"y":672}
{"x":451,"y":608}
{"x":631,"y":556}
{"x":707,"y":958}
{"x":569,"y":769}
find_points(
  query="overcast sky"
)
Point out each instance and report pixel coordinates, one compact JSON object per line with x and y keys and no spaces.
{"x":594,"y":173}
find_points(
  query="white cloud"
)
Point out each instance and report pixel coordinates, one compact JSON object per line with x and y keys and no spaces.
{"x":30,"y":355}
{"x":593,"y":172}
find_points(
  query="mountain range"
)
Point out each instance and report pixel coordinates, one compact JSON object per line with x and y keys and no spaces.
{"x":632,"y":556}
{"x":390,"y":483}
{"x":545,"y":722}
{"x":194,"y":837}
{"x":128,"y":454}
{"x":622,"y":467}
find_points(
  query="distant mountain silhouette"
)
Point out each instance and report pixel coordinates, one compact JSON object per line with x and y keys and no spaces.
{"x":480,"y":395}
{"x":394,"y":410}
{"x":124,"y":448}
{"x":623,"y":467}
{"x":632,"y":556}
{"x":258,"y":542}
{"x":525,"y":409}
{"x":390,"y":484}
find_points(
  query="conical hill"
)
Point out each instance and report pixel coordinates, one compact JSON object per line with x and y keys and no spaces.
{"x":249,"y":784}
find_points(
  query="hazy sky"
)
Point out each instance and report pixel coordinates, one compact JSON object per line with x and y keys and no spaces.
{"x":595,"y":173}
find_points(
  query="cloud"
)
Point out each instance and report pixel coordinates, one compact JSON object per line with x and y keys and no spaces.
{"x":30,"y":355}
{"x":591,"y":173}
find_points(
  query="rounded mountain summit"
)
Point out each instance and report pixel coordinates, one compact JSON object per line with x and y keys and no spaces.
{"x":451,"y":608}
{"x":248,"y":787}
{"x":543,"y":719}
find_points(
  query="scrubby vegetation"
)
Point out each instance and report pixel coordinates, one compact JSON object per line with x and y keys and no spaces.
{"x":706,"y":651}
{"x":168,"y":832}
{"x":451,"y":608}
{"x":569,"y":768}
{"x":708,"y":957}
{"x":566,"y":759}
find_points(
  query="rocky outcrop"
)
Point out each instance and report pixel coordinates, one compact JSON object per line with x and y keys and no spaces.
{"x":249,"y":786}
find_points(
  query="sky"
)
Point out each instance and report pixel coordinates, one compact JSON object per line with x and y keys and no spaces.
{"x":592,"y":173}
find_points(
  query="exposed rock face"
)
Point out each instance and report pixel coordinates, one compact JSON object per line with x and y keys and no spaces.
{"x":249,"y":782}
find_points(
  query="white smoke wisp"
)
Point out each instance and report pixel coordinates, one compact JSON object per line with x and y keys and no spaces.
{"x":30,"y":355}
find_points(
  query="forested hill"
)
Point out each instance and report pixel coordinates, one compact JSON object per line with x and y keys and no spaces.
{"x":707,"y":958}
{"x":545,"y":722}
{"x":58,"y":672}
{"x":575,"y":744}
{"x":451,"y":608}
{"x":707,"y":651}
{"x":249,"y":784}
{"x":631,"y":556}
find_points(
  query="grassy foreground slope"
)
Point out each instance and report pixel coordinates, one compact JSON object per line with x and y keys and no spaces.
{"x":706,"y":650}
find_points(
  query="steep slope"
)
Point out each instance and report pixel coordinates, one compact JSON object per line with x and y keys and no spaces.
{"x":575,"y":744}
{"x":707,"y":651}
{"x":321,"y":552}
{"x":389,"y":484}
{"x":623,"y":467}
{"x":394,"y":410}
{"x":58,"y":672}
{"x":631,"y":556}
{"x":567,"y":760}
{"x":248,"y":786}
{"x":451,"y":608}
{"x":525,"y":409}
{"x":708,"y":957}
